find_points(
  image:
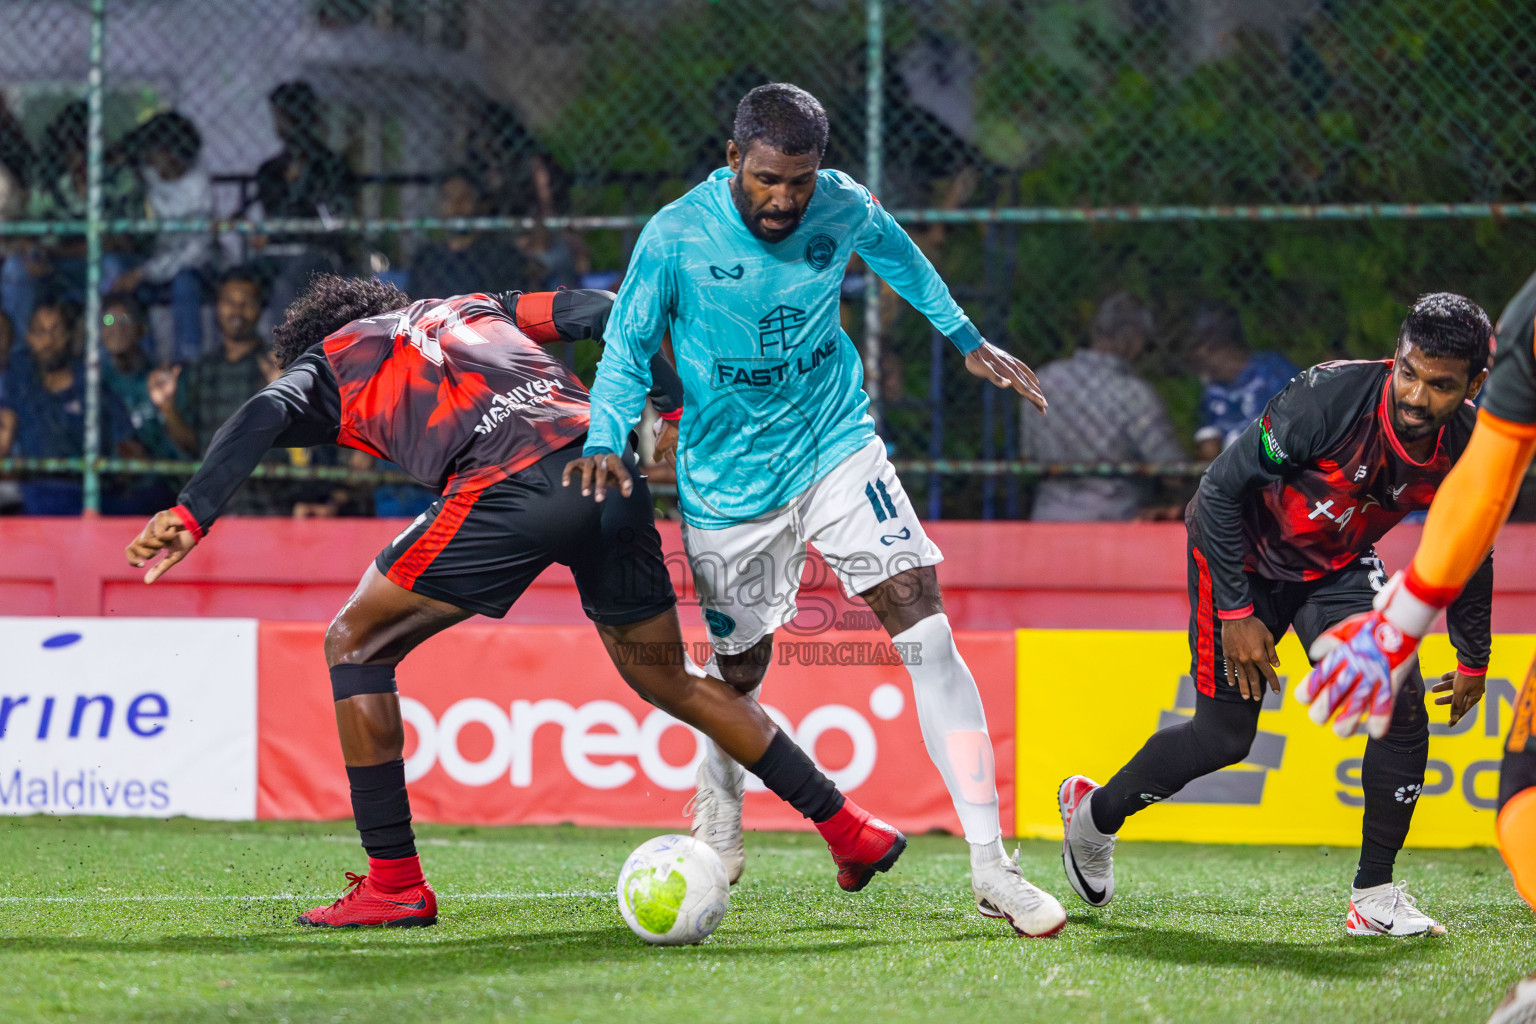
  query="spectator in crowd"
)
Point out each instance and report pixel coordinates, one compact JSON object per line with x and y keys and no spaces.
{"x":54,"y":270}
{"x":307,"y":180}
{"x":42,"y":414}
{"x":16,"y":159}
{"x":176,"y":187}
{"x":127,"y":372}
{"x":207,"y":392}
{"x":469,"y":261}
{"x":10,"y":491}
{"x":1100,"y":412}
{"x":1239,"y":382}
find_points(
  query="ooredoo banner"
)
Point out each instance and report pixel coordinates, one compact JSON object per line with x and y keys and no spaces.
{"x":532,"y":724}
{"x":1300,"y":783}
{"x":148,"y":717}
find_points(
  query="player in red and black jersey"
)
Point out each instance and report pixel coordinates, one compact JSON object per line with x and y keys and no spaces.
{"x":461,"y":395}
{"x":1281,"y":536}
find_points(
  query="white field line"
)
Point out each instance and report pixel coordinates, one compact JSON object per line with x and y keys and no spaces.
{"x":293,"y":896}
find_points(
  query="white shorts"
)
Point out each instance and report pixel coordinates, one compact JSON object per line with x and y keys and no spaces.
{"x":858,"y":517}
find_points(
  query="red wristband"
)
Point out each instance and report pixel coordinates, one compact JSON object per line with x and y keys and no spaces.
{"x":189,"y":522}
{"x":1234,"y":613}
{"x":674,"y":415}
{"x":1464,"y":670}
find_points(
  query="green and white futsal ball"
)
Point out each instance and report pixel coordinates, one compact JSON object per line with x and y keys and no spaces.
{"x":673,"y":890}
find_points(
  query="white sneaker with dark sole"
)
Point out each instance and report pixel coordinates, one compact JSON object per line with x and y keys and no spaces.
{"x":1087,"y":855}
{"x":1388,"y":910}
{"x":1002,"y":891}
{"x":716,"y":807}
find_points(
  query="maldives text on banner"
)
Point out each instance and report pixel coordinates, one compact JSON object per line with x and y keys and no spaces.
{"x":149,"y":717}
{"x":511,"y":724}
{"x":1300,"y":784}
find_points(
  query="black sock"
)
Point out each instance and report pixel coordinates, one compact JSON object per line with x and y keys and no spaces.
{"x":1392,"y":776}
{"x":791,"y":777}
{"x":382,"y":810}
{"x":1220,"y":734}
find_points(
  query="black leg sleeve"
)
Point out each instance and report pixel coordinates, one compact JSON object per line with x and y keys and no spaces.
{"x":1392,"y":776}
{"x":1220,"y":734}
{"x":382,"y":810}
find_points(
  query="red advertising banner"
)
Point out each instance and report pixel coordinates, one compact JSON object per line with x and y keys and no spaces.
{"x":532,"y":724}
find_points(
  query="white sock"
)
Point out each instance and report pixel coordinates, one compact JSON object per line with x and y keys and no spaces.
{"x":723,"y":766}
{"x":954,"y":726}
{"x":984,"y":855}
{"x":1082,"y":820}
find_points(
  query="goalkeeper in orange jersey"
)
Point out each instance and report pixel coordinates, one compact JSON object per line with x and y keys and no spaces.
{"x":1361,"y":662}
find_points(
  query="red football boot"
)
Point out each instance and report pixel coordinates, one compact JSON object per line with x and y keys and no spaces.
{"x":861,"y":846}
{"x":365,"y":905}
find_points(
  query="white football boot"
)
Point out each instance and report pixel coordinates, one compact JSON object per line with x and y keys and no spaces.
{"x":1001,"y":891}
{"x":716,"y":807}
{"x":1387,"y":909}
{"x":1087,"y":855}
{"x":1519,"y":1006}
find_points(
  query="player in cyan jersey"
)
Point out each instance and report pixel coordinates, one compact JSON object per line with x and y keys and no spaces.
{"x":1363,"y":661}
{"x":460,"y":394}
{"x":1281,"y":535}
{"x":777,"y":447}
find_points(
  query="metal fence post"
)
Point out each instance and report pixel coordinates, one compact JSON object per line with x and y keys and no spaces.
{"x":874,"y":99}
{"x":92,"y":481}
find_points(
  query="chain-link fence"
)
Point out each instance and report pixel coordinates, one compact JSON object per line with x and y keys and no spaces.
{"x":171,"y":171}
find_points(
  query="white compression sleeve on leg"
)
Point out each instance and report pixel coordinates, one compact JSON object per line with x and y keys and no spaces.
{"x":954,"y":725}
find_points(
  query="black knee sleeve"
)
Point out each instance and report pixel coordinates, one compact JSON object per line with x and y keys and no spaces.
{"x":1220,"y":734}
{"x":351,"y":680}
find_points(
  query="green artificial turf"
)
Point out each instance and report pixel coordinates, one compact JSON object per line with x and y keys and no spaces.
{"x":530,"y":930}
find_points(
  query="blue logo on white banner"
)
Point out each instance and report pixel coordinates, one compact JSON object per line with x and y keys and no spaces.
{"x":146,"y":717}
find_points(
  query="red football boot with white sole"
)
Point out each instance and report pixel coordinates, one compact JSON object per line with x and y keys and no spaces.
{"x":365,"y":905}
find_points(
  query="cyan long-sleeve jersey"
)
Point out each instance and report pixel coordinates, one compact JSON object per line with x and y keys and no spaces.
{"x":773,"y":387}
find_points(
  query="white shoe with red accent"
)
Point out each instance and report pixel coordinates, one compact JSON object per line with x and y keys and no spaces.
{"x":1087,"y":855}
{"x":1387,"y":909}
{"x":1002,"y":891}
{"x":1519,"y":1006}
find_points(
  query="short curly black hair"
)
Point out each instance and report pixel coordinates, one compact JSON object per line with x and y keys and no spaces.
{"x":326,"y":306}
{"x":1444,"y":325}
{"x":783,"y":116}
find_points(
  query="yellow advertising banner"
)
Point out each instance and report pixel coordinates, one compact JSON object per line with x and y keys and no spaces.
{"x":1088,"y":699}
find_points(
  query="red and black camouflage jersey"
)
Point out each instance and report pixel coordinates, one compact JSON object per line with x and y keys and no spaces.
{"x":1315,"y":482}
{"x":459,"y":393}
{"x":454,"y":391}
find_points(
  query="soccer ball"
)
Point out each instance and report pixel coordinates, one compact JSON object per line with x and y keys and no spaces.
{"x":673,"y":890}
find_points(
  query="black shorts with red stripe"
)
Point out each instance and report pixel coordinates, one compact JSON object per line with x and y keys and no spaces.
{"x":1308,"y":606}
{"x":480,"y":551}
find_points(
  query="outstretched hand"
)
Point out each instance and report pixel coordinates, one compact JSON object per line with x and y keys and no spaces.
{"x":164,"y":532}
{"x":991,"y":363}
{"x":595,"y":472}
